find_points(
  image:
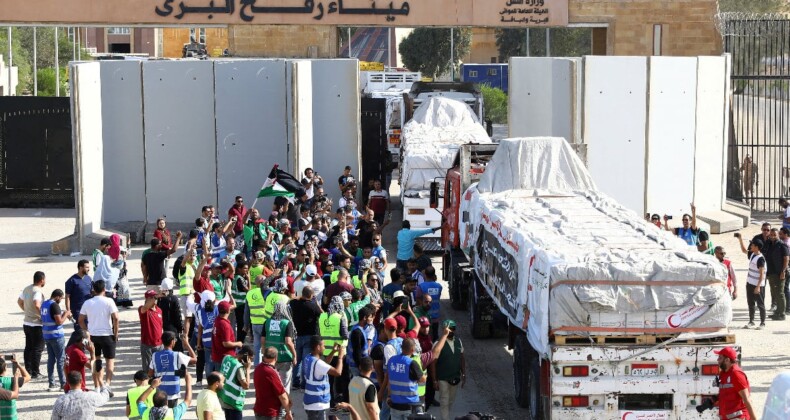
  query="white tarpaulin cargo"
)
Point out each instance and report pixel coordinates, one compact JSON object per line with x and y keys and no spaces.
{"x":431,"y":140}
{"x":549,"y":247}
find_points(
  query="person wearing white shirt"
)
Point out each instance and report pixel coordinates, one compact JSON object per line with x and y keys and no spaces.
{"x":99,"y":316}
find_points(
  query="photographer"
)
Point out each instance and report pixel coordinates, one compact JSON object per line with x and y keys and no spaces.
{"x":689,"y":232}
{"x":9,"y":385}
{"x":236,"y":370}
{"x":733,"y":400}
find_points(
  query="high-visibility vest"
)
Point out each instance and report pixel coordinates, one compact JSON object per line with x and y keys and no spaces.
{"x":271,"y":300}
{"x":316,"y":388}
{"x":186,"y":279}
{"x":350,"y":350}
{"x":232,"y":393}
{"x":7,"y":408}
{"x":356,"y":394}
{"x":276,"y":330}
{"x":420,"y":385}
{"x":51,"y":328}
{"x":168,"y":416}
{"x":239,"y":296}
{"x":255,"y":303}
{"x":329,"y":328}
{"x":207,"y":322}
{"x":396,"y":343}
{"x":402,"y":389}
{"x":165,"y":367}
{"x":132,"y":395}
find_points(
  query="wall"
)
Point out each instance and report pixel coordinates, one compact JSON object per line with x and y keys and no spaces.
{"x":654,"y":126}
{"x":336,"y":120}
{"x":177,"y":135}
{"x":688,"y":28}
{"x":122,"y":135}
{"x":86,"y":126}
{"x":289,"y":41}
{"x":173,"y":40}
{"x":180,"y":148}
{"x":252,"y":133}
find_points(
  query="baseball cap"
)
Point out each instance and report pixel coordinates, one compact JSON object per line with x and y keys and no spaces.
{"x":167,"y":284}
{"x":325,"y":251}
{"x":284,"y":222}
{"x":216,"y":264}
{"x":259,"y":255}
{"x":150,"y":294}
{"x":311,"y":270}
{"x":401,"y":321}
{"x":224,"y":306}
{"x":398,"y":293}
{"x":390,"y":324}
{"x":345,"y":296}
{"x":207,"y":295}
{"x":448,"y":323}
{"x":424,"y":322}
{"x":727,"y":352}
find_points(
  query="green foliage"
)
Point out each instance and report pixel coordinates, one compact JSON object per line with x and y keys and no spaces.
{"x":754,"y":6}
{"x":427,"y":50}
{"x":495,"y":104}
{"x":22,"y":48}
{"x":46,"y":82}
{"x":565,"y":42}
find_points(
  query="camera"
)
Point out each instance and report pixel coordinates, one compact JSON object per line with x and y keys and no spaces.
{"x":668,"y":217}
{"x":707,"y":404}
{"x":737,"y":234}
{"x":9,"y":357}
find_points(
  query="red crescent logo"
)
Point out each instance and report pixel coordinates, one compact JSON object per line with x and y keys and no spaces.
{"x":669,"y":321}
{"x":627,"y":414}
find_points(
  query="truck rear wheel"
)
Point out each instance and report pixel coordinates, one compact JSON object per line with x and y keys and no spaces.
{"x":536,"y":409}
{"x":480,"y":328}
{"x":522,"y":357}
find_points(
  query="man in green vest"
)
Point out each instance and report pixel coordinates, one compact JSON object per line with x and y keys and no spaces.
{"x":9,"y":388}
{"x":140,"y":385}
{"x":280,"y":333}
{"x":333,"y":328}
{"x":158,"y":410}
{"x":236,"y":370}
{"x":449,"y":370}
{"x":279,"y":293}
{"x":253,"y":317}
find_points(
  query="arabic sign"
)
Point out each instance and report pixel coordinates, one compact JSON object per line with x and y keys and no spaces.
{"x":498,"y":269}
{"x":685,"y":316}
{"x":514,"y":13}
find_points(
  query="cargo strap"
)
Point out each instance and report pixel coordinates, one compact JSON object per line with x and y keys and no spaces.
{"x":638,"y":283}
{"x":636,"y":330}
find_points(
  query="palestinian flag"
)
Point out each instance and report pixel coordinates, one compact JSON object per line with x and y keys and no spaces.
{"x":280,"y":184}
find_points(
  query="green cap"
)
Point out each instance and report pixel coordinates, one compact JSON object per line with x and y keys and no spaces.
{"x":448,"y":323}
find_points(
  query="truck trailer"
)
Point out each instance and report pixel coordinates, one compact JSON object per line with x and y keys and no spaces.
{"x":437,"y":128}
{"x":608,"y":317}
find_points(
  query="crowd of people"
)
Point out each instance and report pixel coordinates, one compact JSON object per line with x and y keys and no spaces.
{"x":296,"y":302}
{"x":768,"y":254}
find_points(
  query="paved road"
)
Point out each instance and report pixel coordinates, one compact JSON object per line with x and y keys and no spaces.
{"x":24,"y":249}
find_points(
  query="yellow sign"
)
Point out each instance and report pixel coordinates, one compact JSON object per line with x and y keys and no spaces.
{"x":447,"y":13}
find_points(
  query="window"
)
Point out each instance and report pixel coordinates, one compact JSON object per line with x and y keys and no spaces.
{"x":117,"y":30}
{"x":197,"y":35}
{"x":657,"y":41}
{"x":494,"y":60}
{"x":472,"y":73}
{"x":492,"y":72}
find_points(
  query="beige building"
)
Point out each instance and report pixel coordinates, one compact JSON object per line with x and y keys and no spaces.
{"x":618,"y":27}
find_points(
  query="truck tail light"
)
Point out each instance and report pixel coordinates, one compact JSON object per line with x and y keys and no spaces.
{"x":577,"y":401}
{"x":575,"y":371}
{"x":710,"y":370}
{"x":416,"y":211}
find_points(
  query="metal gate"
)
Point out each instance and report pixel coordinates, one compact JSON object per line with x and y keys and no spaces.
{"x":36,"y":166}
{"x":759,"y":146}
{"x":375,"y":154}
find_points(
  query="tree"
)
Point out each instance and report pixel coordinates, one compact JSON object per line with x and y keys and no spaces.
{"x":427,"y":50}
{"x":752,"y":6}
{"x":495,"y":104}
{"x":20,"y":59}
{"x":565,"y":42}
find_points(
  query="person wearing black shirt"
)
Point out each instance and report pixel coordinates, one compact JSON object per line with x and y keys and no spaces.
{"x":153,"y":263}
{"x":305,"y":313}
{"x":171,"y":311}
{"x":776,"y":258}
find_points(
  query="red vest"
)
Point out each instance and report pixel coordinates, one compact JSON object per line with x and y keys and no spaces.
{"x":727,"y":263}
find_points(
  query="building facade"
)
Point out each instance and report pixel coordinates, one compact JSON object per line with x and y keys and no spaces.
{"x":120,"y":40}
